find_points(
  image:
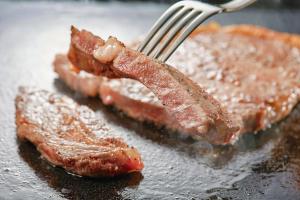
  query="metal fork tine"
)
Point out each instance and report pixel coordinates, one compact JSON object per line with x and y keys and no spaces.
{"x":175,"y":25}
{"x":159,"y":23}
{"x":155,"y":40}
{"x":184,"y":34}
{"x":172,"y":34}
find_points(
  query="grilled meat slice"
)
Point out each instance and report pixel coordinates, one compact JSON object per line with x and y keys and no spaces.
{"x":193,"y":108}
{"x":70,"y":136}
{"x":234,"y":64}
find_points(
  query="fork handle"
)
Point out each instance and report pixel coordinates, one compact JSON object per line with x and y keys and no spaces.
{"x":236,"y":5}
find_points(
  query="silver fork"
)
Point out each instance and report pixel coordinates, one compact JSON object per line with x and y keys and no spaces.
{"x":177,"y":22}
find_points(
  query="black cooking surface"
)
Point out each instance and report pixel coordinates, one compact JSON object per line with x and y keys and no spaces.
{"x":264,"y":166}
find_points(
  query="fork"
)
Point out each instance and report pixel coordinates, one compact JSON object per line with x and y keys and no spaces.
{"x":177,"y":22}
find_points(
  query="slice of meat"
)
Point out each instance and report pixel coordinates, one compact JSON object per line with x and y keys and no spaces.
{"x":236,"y":65}
{"x":70,"y":136}
{"x":129,"y":96}
{"x":194,"y":109}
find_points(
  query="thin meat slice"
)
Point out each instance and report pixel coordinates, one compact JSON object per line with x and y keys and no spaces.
{"x":253,"y":71}
{"x":194,"y":109}
{"x":70,"y":136}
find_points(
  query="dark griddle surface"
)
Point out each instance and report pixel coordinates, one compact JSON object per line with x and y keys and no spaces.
{"x":265,"y":166}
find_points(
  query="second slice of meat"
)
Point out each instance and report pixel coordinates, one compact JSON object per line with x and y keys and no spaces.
{"x":194,"y":109}
{"x":71,"y":136}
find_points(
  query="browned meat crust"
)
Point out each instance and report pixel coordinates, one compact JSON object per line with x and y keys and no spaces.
{"x":194,"y":109}
{"x":70,"y":136}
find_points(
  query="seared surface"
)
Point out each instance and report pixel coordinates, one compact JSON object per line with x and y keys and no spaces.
{"x":70,"y":136}
{"x":252,"y":71}
{"x":194,"y":109}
